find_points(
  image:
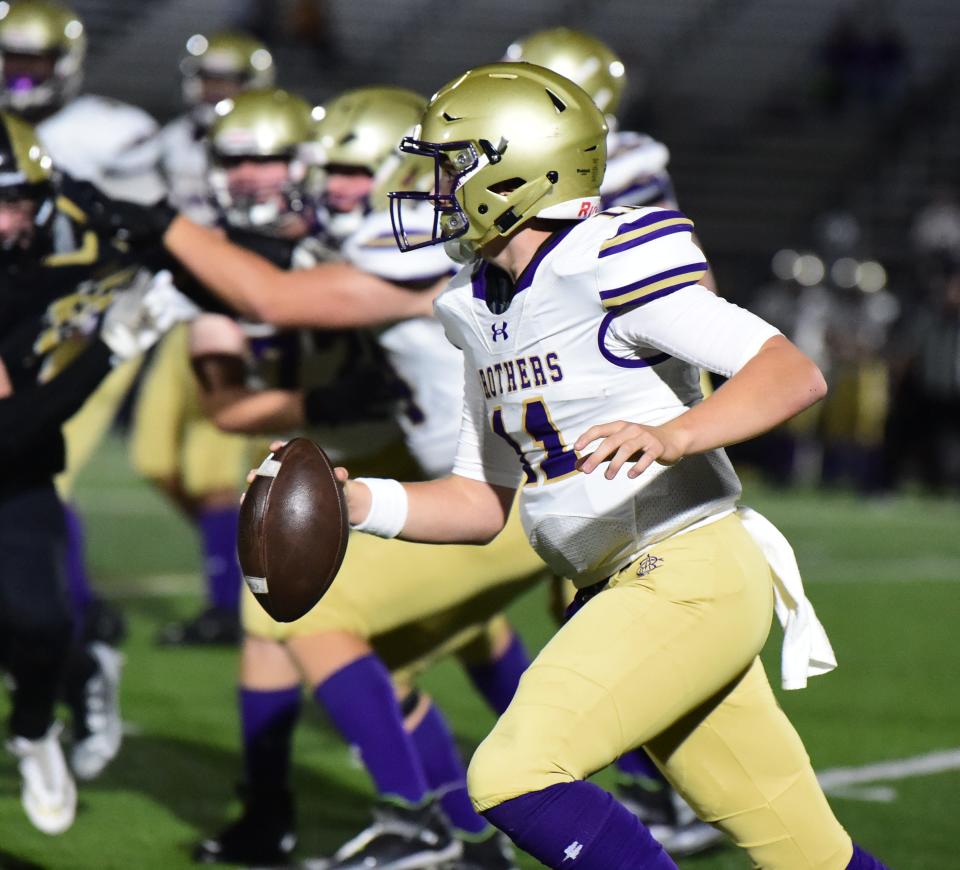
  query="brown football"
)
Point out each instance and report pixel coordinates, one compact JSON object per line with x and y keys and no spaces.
{"x":293,"y":530}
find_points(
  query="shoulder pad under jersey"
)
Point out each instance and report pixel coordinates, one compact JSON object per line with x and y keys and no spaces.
{"x":373,"y":248}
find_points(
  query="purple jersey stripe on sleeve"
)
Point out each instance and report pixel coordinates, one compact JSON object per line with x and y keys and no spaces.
{"x":650,"y":297}
{"x":653,"y":218}
{"x":653,"y":279}
{"x":649,"y":237}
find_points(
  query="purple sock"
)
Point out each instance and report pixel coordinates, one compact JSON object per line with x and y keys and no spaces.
{"x":863,"y":860}
{"x":637,"y":764}
{"x":78,"y":581}
{"x":497,"y":680}
{"x":445,"y":772}
{"x":359,"y":699}
{"x":267,"y":720}
{"x":579,"y":822}
{"x":218,"y":534}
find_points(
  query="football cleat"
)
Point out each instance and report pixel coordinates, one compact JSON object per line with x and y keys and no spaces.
{"x":103,"y":622}
{"x":48,"y":794}
{"x":215,"y":626}
{"x":263,"y":836}
{"x":493,"y":853}
{"x":400,"y":838}
{"x":98,"y":728}
{"x":668,"y":817}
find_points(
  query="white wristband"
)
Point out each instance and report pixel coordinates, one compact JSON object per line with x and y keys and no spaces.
{"x":388,"y":507}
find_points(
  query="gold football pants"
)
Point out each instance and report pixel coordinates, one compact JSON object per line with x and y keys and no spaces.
{"x":665,"y":657}
{"x":172,"y":440}
{"x":84,"y":431}
{"x":414,"y":602}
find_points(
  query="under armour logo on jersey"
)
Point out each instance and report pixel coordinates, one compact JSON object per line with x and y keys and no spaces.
{"x":572,"y":851}
{"x":647,"y":564}
{"x":499,"y":331}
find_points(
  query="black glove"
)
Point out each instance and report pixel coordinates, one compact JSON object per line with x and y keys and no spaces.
{"x":127,"y":221}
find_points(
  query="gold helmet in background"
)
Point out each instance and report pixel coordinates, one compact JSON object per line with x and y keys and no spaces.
{"x":262,"y":126}
{"x":361,"y":129}
{"x":510,"y":142}
{"x":220,"y":66}
{"x":582,"y":58}
{"x":42,"y":49}
{"x":26,"y":182}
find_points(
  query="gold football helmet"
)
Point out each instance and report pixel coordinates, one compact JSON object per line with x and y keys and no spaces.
{"x":510,"y":142}
{"x":580,"y":57}
{"x":360,"y":131}
{"x":364,"y":126}
{"x":262,"y":126}
{"x":42,"y":47}
{"x":220,"y":66}
{"x":26,"y":186}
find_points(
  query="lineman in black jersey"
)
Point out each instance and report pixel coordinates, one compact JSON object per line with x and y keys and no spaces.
{"x":63,"y":325}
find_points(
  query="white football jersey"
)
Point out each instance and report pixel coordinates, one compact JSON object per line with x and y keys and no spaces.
{"x":110,"y":143}
{"x":184,"y":163}
{"x":608,"y":322}
{"x":417,"y":349}
{"x":636,"y":171}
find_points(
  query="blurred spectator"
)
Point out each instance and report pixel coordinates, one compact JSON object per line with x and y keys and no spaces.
{"x":936,"y":228}
{"x":864,"y":60}
{"x":834,"y":305}
{"x":799,"y":305}
{"x":923,"y":430}
{"x":854,"y":414}
{"x":309,"y":22}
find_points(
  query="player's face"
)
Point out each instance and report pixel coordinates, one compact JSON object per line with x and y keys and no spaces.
{"x":22,"y":72}
{"x":17,"y":228}
{"x":262,"y":185}
{"x":347,"y":187}
{"x":259,"y":181}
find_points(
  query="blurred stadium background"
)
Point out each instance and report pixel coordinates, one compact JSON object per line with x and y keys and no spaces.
{"x":816,"y":146}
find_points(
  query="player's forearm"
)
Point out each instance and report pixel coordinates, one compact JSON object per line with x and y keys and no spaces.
{"x":256,"y":412}
{"x":451,"y":510}
{"x":455,"y":510}
{"x":328,"y":296}
{"x":340,"y":296}
{"x":775,"y":385}
{"x":238,"y":276}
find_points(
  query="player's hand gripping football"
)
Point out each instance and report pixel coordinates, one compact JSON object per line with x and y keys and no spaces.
{"x":357,"y":496}
{"x":623,"y":442}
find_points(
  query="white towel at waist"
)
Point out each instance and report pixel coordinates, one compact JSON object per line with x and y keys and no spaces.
{"x":806,"y":648}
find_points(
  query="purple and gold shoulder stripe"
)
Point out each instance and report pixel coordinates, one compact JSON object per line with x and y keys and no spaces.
{"x":654,"y":225}
{"x":653,"y":287}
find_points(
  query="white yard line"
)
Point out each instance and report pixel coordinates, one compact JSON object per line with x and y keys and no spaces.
{"x":866,"y":782}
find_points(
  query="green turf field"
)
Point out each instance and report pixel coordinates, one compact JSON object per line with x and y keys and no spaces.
{"x":885,"y":579}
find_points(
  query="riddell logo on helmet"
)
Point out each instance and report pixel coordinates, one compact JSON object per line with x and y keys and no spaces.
{"x":587,"y":209}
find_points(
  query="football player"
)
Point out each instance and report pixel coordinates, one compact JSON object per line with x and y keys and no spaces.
{"x":636,"y":175}
{"x":172,"y":444}
{"x":62,"y":327}
{"x":582,"y":336}
{"x":112,"y":144}
{"x":214,"y":68}
{"x":333,"y":648}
